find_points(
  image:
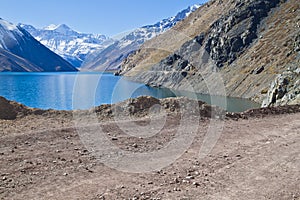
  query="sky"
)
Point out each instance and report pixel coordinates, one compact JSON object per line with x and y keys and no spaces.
{"x":109,"y":17}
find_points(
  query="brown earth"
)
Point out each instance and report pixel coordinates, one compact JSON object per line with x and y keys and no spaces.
{"x":42,"y":155}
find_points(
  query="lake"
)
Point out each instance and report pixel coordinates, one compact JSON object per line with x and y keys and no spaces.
{"x":87,"y":89}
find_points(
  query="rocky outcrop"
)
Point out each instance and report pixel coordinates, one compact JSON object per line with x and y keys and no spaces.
{"x":297,"y":43}
{"x":242,"y":51}
{"x":285,"y":89}
{"x":233,"y":33}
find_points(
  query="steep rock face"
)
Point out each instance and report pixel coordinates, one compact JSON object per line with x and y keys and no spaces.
{"x":19,"y":48}
{"x":158,"y":48}
{"x":285,"y":89}
{"x":69,"y":44}
{"x":243,"y":51}
{"x":233,"y":33}
{"x":111,"y":57}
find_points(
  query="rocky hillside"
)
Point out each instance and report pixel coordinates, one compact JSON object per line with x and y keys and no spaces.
{"x":111,"y":57}
{"x":241,"y":46}
{"x":19,"y":51}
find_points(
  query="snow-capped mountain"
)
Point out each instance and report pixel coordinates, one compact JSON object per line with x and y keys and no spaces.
{"x":111,"y":57}
{"x":19,"y":51}
{"x":71,"y":45}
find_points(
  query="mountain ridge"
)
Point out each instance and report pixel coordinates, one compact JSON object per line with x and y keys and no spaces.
{"x":19,"y":51}
{"x":111,"y":57}
{"x":73,"y":46}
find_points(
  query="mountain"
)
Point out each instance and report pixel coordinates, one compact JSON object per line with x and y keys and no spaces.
{"x":111,"y":57}
{"x":252,"y":48}
{"x":69,"y":44}
{"x":19,"y":51}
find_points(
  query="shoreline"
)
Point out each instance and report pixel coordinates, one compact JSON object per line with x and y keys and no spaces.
{"x":44,"y":154}
{"x":12,"y":109}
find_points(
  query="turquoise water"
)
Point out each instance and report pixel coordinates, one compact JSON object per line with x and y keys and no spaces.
{"x":68,"y":91}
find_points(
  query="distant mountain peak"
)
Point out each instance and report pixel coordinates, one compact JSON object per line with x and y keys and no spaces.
{"x":71,"y":45}
{"x":61,"y":28}
{"x":19,"y":51}
{"x":7,"y":25}
{"x":52,"y":27}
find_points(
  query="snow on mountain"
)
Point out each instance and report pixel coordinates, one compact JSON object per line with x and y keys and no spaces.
{"x":8,"y":33}
{"x":71,"y":45}
{"x":19,"y":51}
{"x":111,"y":57}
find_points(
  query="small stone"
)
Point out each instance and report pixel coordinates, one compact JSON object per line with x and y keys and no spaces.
{"x":65,"y":174}
{"x":135,"y":145}
{"x":195,"y":183}
{"x":114,"y":138}
{"x":185,"y":181}
{"x":4,"y":178}
{"x":176,"y":180}
{"x":189,"y":177}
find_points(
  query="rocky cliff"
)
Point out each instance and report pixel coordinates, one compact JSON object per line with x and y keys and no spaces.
{"x":239,"y":51}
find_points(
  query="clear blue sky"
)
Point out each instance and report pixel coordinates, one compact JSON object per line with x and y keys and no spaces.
{"x":108,"y":17}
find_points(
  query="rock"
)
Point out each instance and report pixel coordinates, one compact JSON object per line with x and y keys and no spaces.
{"x":183,"y":64}
{"x":233,"y":33}
{"x":135,"y":145}
{"x":297,"y":43}
{"x":196,"y":184}
{"x":189,"y":177}
{"x":171,"y":59}
{"x":284,"y":90}
{"x":118,"y":73}
{"x":258,"y":70}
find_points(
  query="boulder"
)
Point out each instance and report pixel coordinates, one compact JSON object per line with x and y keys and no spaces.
{"x":284,"y":90}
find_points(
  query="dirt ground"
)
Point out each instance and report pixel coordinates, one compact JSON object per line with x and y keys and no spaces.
{"x":44,"y":157}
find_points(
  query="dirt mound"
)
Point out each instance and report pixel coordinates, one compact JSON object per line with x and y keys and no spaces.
{"x":146,"y":105}
{"x":10,"y":110}
{"x":7,"y":110}
{"x":263,"y":112}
